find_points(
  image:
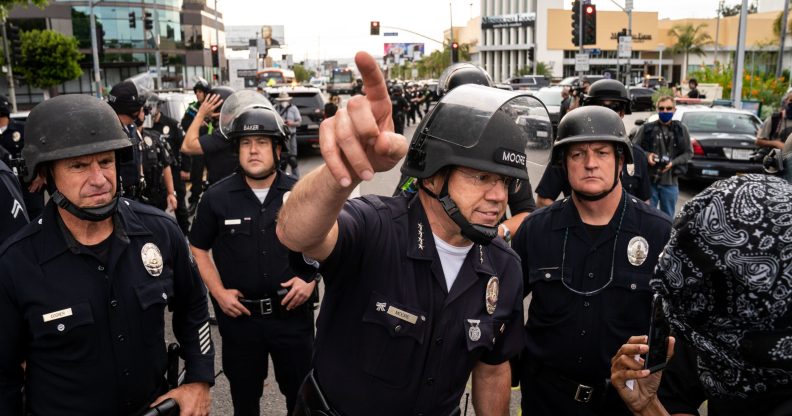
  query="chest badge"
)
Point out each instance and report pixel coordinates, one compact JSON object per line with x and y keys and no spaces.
{"x":631,"y":169}
{"x":16,"y":136}
{"x":165,"y":129}
{"x":491,"y":295}
{"x":474,"y":333}
{"x":637,"y":251}
{"x":148,"y":141}
{"x":152,"y":259}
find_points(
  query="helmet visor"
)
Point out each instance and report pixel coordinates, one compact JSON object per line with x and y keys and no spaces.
{"x":236,"y":104}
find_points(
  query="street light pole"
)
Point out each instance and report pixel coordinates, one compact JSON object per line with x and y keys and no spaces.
{"x":451,"y":32}
{"x":738,"y":69}
{"x":783,"y":39}
{"x":217,"y":40}
{"x":95,"y":51}
{"x":717,"y":31}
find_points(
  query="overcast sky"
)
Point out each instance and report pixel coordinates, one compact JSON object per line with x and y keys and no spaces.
{"x":324,"y":29}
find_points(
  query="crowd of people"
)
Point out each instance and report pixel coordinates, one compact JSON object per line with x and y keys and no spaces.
{"x":423,"y":290}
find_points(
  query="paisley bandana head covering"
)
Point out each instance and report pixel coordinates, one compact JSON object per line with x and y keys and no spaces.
{"x":726,"y":275}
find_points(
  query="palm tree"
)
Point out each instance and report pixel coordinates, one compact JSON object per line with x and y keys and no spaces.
{"x":689,"y":39}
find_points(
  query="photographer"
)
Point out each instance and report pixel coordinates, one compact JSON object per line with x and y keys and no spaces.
{"x":578,"y":91}
{"x":667,"y":144}
{"x":721,"y":276}
{"x":777,"y":127}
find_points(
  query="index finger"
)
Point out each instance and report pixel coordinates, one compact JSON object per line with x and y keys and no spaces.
{"x":376,"y":90}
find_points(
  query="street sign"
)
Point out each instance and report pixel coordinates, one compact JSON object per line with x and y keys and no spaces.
{"x":390,"y":34}
{"x":593,"y":51}
{"x":625,"y":46}
{"x":581,"y":62}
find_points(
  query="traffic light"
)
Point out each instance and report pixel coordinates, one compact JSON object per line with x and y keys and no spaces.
{"x":148,"y":23}
{"x":454,"y":52}
{"x":132,"y":20}
{"x":14,"y":43}
{"x":576,"y":22}
{"x":215,"y":56}
{"x":375,"y":27}
{"x":589,"y":24}
{"x":531,"y":54}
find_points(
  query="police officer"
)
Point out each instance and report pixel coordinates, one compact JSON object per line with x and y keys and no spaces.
{"x":84,"y":288}
{"x":156,"y":158}
{"x":635,"y":176}
{"x":248,"y":267}
{"x":12,"y":139}
{"x":128,"y":104}
{"x":419,"y":292}
{"x":196,"y":162}
{"x":12,"y":203}
{"x":399,"y":107}
{"x":169,"y":129}
{"x":586,"y":261}
{"x":521,"y":201}
{"x":217,"y":150}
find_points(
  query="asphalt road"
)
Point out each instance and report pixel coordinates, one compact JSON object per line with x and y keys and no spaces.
{"x":272,"y":402}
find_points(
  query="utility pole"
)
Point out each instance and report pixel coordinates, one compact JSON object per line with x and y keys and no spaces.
{"x":10,"y":72}
{"x":217,"y":41}
{"x":95,"y":51}
{"x":717,"y":31}
{"x":738,"y":69}
{"x":451,"y":32}
{"x":580,"y":36}
{"x":783,"y":40}
{"x":158,"y":53}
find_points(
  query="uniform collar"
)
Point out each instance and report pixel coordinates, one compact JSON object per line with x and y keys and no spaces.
{"x":568,"y":216}
{"x":283,"y":181}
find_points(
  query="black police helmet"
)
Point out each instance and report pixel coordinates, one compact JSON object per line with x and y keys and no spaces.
{"x":202,"y":85}
{"x":223,"y":92}
{"x":478,"y":127}
{"x":591,"y":124}
{"x":72,"y":125}
{"x":124,"y":98}
{"x":397,"y":89}
{"x":460,"y":74}
{"x":259,"y":121}
{"x":608,"y":89}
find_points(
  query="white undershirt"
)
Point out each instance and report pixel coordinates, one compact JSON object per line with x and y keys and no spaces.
{"x":261,"y":194}
{"x":451,"y":257}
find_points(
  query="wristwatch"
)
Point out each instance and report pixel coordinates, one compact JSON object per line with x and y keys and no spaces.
{"x":506,"y":233}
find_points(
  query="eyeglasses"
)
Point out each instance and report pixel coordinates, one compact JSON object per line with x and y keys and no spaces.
{"x":665,"y":108}
{"x":486,"y":181}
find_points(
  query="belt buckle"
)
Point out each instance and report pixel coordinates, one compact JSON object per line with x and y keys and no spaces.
{"x":584,"y":393}
{"x":266,"y":306}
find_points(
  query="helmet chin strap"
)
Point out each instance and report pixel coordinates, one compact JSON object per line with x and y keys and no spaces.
{"x":479,"y":234}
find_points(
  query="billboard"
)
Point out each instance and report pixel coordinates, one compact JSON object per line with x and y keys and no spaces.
{"x":273,"y":36}
{"x":398,"y":52}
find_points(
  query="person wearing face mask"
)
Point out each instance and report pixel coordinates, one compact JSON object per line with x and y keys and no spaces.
{"x":776,"y":128}
{"x":667,"y":146}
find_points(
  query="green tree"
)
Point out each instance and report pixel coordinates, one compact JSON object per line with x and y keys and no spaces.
{"x":432,"y":65}
{"x":48,"y":59}
{"x":689,"y":39}
{"x":542,"y":68}
{"x":777,"y":26}
{"x":735,"y":9}
{"x":301,"y":73}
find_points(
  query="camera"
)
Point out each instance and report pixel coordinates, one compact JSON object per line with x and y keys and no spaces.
{"x":661,"y":161}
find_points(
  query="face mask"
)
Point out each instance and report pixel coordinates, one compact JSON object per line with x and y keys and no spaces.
{"x":665,"y":116}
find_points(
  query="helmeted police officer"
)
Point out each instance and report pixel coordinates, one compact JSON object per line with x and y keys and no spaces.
{"x":635,"y":176}
{"x":586,"y":261}
{"x":196,"y":162}
{"x":128,"y":104}
{"x":157,"y":157}
{"x":419,"y":292}
{"x":248,"y":266}
{"x":399,"y":107}
{"x":217,"y":150}
{"x":12,"y":139}
{"x":521,"y":200}
{"x":83,"y":289}
{"x":12,"y":203}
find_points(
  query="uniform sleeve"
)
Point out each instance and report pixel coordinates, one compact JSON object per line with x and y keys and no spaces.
{"x":521,"y":198}
{"x":354,"y":222}
{"x":513,"y":339}
{"x":11,"y":351}
{"x":191,"y":314}
{"x":551,"y":185}
{"x":520,"y":246}
{"x":13,"y":214}
{"x":209,"y":144}
{"x":645,"y":185}
{"x":205,"y":226}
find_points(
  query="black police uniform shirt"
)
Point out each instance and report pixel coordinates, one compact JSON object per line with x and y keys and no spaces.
{"x":391,"y":339}
{"x":219,"y":156}
{"x":155,"y":155}
{"x":521,"y":197}
{"x":635,"y":180}
{"x":130,"y":171}
{"x":12,"y":204}
{"x":240,"y":231}
{"x":170,"y":131}
{"x":13,"y":138}
{"x":89,"y":321}
{"x":577,"y":335}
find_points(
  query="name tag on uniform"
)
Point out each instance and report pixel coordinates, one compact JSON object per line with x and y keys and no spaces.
{"x":57,"y":314}
{"x":233,"y":222}
{"x":403,"y":315}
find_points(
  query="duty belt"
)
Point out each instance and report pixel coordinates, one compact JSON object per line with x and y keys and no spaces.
{"x":582,"y":393}
{"x":258,"y":306}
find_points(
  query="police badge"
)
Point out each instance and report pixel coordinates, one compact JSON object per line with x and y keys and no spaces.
{"x":491,"y":295}
{"x":631,"y":169}
{"x":148,"y":141}
{"x":165,"y":129}
{"x":152,"y":259}
{"x":637,"y":251}
{"x":475,"y":332}
{"x":16,"y":136}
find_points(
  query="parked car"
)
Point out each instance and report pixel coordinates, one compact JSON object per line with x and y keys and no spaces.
{"x":551,"y":98}
{"x":310,"y":102}
{"x":528,"y":82}
{"x":319,"y":82}
{"x":641,"y":98}
{"x":723,"y":141}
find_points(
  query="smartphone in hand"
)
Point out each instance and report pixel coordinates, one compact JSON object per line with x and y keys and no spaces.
{"x":659,"y":331}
